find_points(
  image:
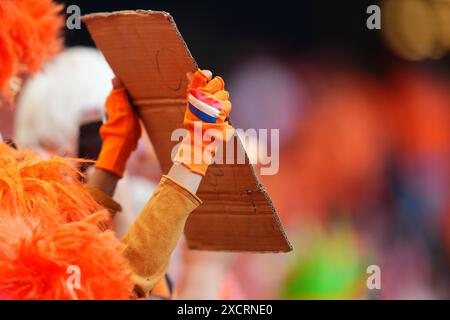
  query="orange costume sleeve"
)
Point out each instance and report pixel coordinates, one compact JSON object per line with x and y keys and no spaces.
{"x":155,"y":233}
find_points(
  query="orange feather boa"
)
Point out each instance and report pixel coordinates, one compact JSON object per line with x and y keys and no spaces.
{"x":29,"y":34}
{"x":48,"y":222}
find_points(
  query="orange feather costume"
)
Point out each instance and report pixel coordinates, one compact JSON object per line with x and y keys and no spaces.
{"x":48,"y":222}
{"x":30,"y":33}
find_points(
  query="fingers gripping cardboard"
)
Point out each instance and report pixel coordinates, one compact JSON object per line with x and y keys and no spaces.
{"x":146,"y":51}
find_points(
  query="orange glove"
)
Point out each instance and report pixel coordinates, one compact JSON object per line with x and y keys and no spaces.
{"x":120,"y":133}
{"x":208,"y":107}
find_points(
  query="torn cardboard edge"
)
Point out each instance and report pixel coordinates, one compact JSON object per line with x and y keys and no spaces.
{"x":145,"y":12}
{"x":147,"y":52}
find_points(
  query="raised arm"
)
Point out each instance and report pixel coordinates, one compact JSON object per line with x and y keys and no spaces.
{"x":157,"y":230}
{"x":155,"y":233}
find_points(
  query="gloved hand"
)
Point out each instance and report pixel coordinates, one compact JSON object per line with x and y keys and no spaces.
{"x":120,"y":132}
{"x":208,"y":107}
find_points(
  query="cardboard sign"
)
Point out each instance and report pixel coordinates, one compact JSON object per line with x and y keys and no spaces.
{"x":146,"y":51}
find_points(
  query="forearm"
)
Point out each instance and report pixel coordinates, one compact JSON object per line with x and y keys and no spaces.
{"x":101,"y":185}
{"x":152,"y":238}
{"x":154,"y":235}
{"x":103,"y":180}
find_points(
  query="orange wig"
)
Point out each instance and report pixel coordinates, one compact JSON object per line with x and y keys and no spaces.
{"x":48,"y":224}
{"x":29,"y":34}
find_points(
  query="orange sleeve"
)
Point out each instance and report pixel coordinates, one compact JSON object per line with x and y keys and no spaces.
{"x":155,"y":233}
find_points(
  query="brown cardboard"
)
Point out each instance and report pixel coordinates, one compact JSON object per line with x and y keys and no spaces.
{"x":146,"y":51}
